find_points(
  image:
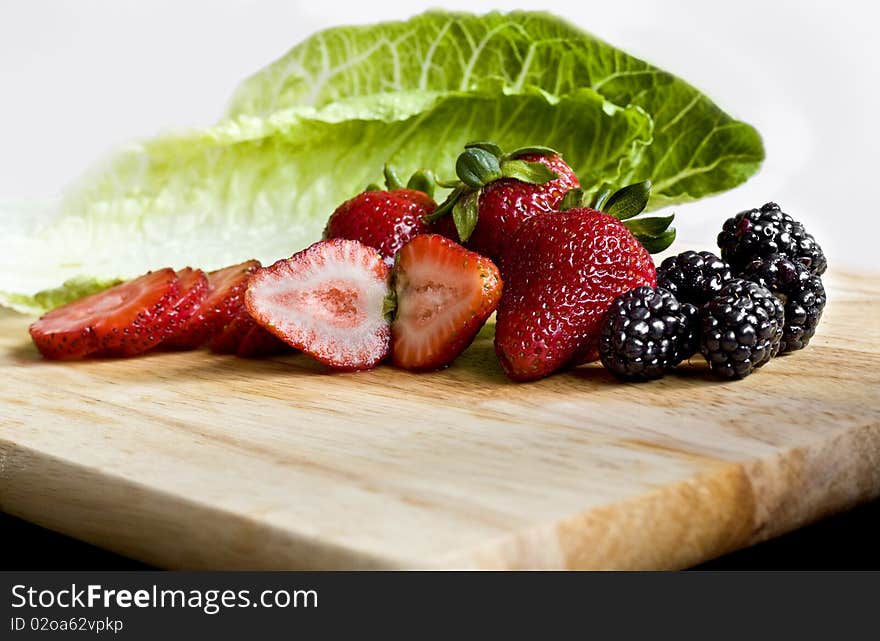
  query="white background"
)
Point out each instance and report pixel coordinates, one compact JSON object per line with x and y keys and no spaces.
{"x":77,"y":78}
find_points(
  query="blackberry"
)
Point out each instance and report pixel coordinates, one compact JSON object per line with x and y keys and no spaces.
{"x":741,"y":328}
{"x":694,"y":277}
{"x":801,"y":293}
{"x":761,"y":232}
{"x":647,"y":332}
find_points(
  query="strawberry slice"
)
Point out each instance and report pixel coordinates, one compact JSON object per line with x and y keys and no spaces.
{"x":221,"y":305}
{"x":126,"y":319}
{"x":228,"y":340}
{"x":244,"y":337}
{"x":260,"y":342}
{"x":329,"y":301}
{"x":193,"y":290}
{"x":445,"y":294}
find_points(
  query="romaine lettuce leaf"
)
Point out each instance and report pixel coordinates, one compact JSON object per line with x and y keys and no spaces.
{"x":697,"y":149}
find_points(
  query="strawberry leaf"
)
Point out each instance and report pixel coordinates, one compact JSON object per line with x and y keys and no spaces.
{"x":534,"y":149}
{"x":465,"y":215}
{"x":629,"y":201}
{"x":652,"y":226}
{"x":534,"y":173}
{"x":601,"y":197}
{"x":491,"y":147}
{"x":656,"y":244}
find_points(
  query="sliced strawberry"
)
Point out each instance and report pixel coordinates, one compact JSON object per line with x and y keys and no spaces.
{"x":329,"y":301}
{"x":228,"y":340}
{"x":224,"y":300}
{"x":244,"y":337}
{"x":126,"y":319}
{"x":261,"y":342}
{"x":445,"y":294}
{"x":193,"y":290}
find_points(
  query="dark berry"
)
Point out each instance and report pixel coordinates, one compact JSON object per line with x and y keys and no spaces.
{"x":741,"y":328}
{"x":801,"y":293}
{"x":694,"y":277}
{"x":762,"y":232}
{"x":646,"y":333}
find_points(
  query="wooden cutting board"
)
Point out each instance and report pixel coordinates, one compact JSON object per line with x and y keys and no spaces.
{"x":198,"y":461}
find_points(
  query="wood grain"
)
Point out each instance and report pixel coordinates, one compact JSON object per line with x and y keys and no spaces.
{"x":189,"y":460}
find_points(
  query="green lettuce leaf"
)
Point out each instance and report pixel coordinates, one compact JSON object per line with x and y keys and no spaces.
{"x":69,"y":291}
{"x":697,"y":149}
{"x":264,"y":187}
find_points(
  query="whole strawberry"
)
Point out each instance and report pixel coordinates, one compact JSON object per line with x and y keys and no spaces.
{"x":385,"y":219}
{"x":497,"y":192}
{"x":562,"y":274}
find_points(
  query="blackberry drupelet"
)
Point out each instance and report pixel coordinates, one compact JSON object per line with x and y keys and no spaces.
{"x":647,"y":332}
{"x":761,"y":232}
{"x":693,"y":277}
{"x":741,"y":328}
{"x":801,"y":293}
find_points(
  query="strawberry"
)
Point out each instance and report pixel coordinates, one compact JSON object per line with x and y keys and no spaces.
{"x":260,"y":342}
{"x":227,"y":340}
{"x":223,"y":302}
{"x":385,"y":219}
{"x":193,"y":290}
{"x":444,"y":295}
{"x":127,"y":319}
{"x":562,"y":274}
{"x":329,"y":300}
{"x":244,"y":337}
{"x":498,"y":192}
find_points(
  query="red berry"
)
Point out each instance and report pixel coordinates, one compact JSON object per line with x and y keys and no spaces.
{"x":246,"y":338}
{"x":562,"y":274}
{"x":193,"y":290}
{"x":506,"y":203}
{"x":329,"y":301}
{"x":385,"y":220}
{"x":445,"y":293}
{"x":127,"y":319}
{"x":230,"y":337}
{"x":260,"y":342}
{"x":221,"y":305}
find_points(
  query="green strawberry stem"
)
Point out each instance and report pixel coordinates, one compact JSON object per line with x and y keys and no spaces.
{"x":423,"y":180}
{"x":392,"y":180}
{"x":476,"y":167}
{"x":389,"y":304}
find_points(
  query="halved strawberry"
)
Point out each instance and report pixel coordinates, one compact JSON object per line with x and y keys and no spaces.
{"x":244,"y":337}
{"x":127,"y":319}
{"x":329,"y":300}
{"x":225,"y":299}
{"x":445,"y":294}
